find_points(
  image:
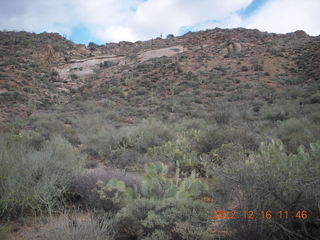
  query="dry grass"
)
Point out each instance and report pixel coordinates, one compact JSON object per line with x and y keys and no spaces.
{"x":71,"y":226}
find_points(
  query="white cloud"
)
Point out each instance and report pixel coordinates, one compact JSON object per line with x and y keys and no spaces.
{"x":115,"y":34}
{"x":282,"y":16}
{"x":37,"y":16}
{"x":116,"y":20}
{"x":154,"y":17}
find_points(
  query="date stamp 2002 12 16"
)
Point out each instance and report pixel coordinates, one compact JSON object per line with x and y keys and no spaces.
{"x":250,"y":215}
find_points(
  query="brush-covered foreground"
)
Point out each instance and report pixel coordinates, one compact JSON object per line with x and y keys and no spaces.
{"x":176,"y":176}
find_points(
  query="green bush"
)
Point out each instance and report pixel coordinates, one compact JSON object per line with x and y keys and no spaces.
{"x":273,"y":180}
{"x":179,"y":151}
{"x":4,"y":232}
{"x":84,"y":186}
{"x":72,"y":226}
{"x":275,"y":113}
{"x":11,"y":97}
{"x":213,"y":139}
{"x":114,"y":195}
{"x":108,"y":142}
{"x":244,"y":69}
{"x":74,"y":76}
{"x":227,"y":154}
{"x":190,"y":149}
{"x":165,"y":219}
{"x":149,"y":133}
{"x":315,"y":98}
{"x":115,"y":90}
{"x":47,"y":124}
{"x":126,"y":158}
{"x":223,"y":114}
{"x":257,"y":106}
{"x":154,"y":185}
{"x":294,"y":80}
{"x":167,"y":209}
{"x":295,"y":132}
{"x":257,"y":66}
{"x":32,"y":179}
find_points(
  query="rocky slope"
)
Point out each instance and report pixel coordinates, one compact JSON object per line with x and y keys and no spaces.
{"x":40,"y":70}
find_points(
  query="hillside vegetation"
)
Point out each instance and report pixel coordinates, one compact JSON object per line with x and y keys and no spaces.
{"x":163,"y":139}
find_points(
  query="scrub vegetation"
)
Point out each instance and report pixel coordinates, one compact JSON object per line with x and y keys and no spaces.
{"x":170,"y":148}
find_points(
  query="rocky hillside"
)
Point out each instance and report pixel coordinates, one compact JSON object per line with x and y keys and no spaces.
{"x":160,"y":75}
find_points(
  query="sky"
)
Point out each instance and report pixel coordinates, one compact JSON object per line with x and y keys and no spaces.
{"x":104,"y":21}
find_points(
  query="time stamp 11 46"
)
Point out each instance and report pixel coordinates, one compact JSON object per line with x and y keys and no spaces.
{"x":251,"y":215}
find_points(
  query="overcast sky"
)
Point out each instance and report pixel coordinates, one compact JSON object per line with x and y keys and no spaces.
{"x":104,"y":21}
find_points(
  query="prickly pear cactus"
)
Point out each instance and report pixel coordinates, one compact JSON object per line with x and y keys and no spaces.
{"x":114,"y":195}
{"x":155,"y":184}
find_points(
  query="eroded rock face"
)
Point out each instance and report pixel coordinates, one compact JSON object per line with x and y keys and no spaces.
{"x":234,"y":48}
{"x":237,"y":47}
{"x":162,"y":52}
{"x":72,"y":69}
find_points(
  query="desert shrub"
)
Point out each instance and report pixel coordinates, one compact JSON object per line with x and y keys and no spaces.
{"x":244,"y":229}
{"x":91,"y":164}
{"x":238,"y":96}
{"x":46,"y":124}
{"x":141,"y":91}
{"x":257,"y":106}
{"x":257,"y":65}
{"x":223,"y":114}
{"x":146,"y":134}
{"x":97,"y":136}
{"x":272,"y":180}
{"x":315,"y":117}
{"x":275,"y":113}
{"x":29,"y":137}
{"x":12,"y":96}
{"x":213,"y":138}
{"x":244,"y":69}
{"x":125,"y":158}
{"x":315,"y":98}
{"x":4,"y":232}
{"x":74,"y":76}
{"x":178,"y":152}
{"x":163,"y":219}
{"x":115,"y":90}
{"x":188,"y":124}
{"x":72,"y":226}
{"x":84,"y":185}
{"x":104,"y":140}
{"x":162,"y":209}
{"x":295,"y":132}
{"x":294,"y":80}
{"x":114,"y":195}
{"x":209,"y":140}
{"x":32,"y":179}
{"x":227,"y":153}
{"x":154,"y":184}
